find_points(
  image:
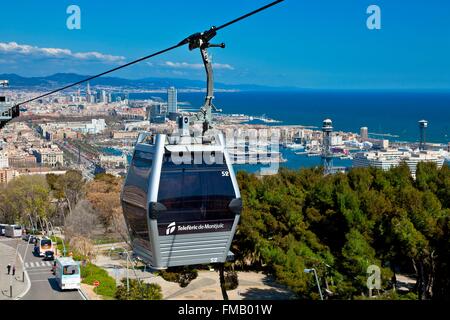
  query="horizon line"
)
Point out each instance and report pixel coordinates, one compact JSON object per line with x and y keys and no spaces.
{"x":266,"y":86}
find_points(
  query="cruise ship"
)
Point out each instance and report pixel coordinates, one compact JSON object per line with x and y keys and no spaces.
{"x":391,"y":158}
{"x":295,"y":146}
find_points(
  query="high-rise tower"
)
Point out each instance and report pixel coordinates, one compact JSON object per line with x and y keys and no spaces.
{"x":88,"y":93}
{"x":104,"y":96}
{"x":327,"y":155}
{"x":364,"y":133}
{"x":423,"y":125}
{"x":172,"y":100}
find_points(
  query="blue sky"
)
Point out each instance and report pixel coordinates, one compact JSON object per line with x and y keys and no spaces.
{"x":321,"y":44}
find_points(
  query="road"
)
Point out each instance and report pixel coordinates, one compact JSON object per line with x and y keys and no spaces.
{"x":85,"y":163}
{"x":43,"y":282}
{"x":85,"y":160}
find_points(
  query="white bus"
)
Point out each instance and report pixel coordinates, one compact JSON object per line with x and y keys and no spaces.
{"x":13,"y":231}
{"x":67,"y":273}
{"x":43,"y":245}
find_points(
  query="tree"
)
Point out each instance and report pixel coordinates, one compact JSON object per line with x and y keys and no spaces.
{"x":138,"y":291}
{"x":58,"y":194}
{"x":82,"y":246}
{"x":180,"y":275}
{"x":104,"y":195}
{"x":340,"y":224}
{"x":231,"y":280}
{"x":426,"y":176}
{"x":26,"y":196}
{"x":70,"y":187}
{"x":357,"y":256}
{"x":81,"y":221}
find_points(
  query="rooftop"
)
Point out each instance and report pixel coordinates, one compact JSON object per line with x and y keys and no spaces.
{"x":67,"y":261}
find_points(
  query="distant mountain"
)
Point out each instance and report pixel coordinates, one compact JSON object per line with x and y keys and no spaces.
{"x":62,"y":79}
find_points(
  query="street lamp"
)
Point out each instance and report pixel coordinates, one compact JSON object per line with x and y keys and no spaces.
{"x":317,"y":280}
{"x":128,"y":260}
{"x":52,"y":232}
{"x":33,"y":228}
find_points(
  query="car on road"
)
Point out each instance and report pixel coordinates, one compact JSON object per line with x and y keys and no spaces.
{"x":43,"y":244}
{"x":49,"y":256}
{"x":26,"y":237}
{"x":32,"y":239}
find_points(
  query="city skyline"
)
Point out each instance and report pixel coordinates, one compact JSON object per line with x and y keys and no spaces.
{"x":323,"y":45}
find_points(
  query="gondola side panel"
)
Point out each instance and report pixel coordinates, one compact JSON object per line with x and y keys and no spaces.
{"x":134,"y":200}
{"x":152,"y":198}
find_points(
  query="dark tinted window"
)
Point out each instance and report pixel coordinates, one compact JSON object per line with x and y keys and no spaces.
{"x":142,"y":159}
{"x":195,"y":193}
{"x":137,"y":222}
{"x":134,"y":195}
{"x":70,"y":270}
{"x":140,"y":169}
{"x":46,"y":242}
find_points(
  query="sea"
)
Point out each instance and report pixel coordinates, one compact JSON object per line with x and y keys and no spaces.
{"x":393,"y":113}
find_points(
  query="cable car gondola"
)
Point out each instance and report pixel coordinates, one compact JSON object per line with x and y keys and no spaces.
{"x":180,"y":211}
{"x":180,"y":214}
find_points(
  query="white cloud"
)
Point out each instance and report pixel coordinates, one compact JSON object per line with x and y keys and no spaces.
{"x":27,"y":50}
{"x":185,"y":65}
{"x":178,"y":73}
